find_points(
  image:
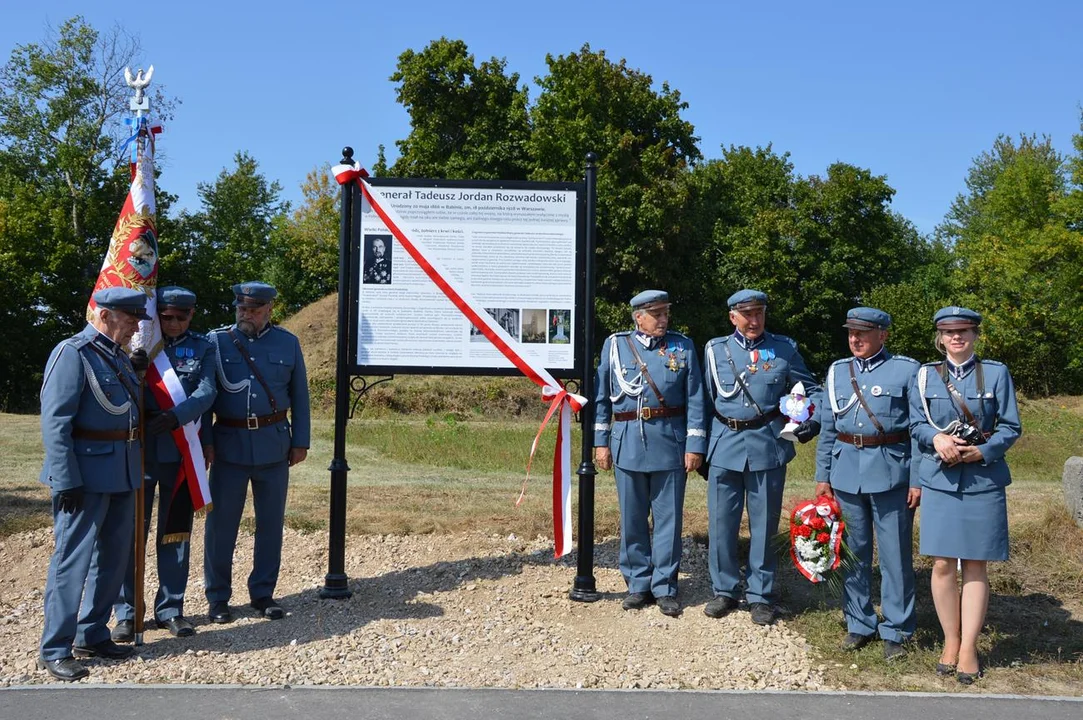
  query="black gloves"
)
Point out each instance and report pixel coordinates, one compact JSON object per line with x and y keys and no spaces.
{"x":140,"y":361}
{"x":161,"y":422}
{"x":807,"y":430}
{"x":70,"y":501}
{"x":704,"y":470}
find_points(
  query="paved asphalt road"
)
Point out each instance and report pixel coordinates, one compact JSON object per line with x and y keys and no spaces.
{"x":161,"y":702}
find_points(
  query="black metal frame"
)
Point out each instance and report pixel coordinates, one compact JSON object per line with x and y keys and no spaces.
{"x":350,"y":375}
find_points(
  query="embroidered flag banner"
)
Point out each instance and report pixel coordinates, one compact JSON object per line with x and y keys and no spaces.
{"x":132,"y":261}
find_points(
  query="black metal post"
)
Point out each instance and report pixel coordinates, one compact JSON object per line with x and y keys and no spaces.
{"x":336,"y":584}
{"x":585,"y":589}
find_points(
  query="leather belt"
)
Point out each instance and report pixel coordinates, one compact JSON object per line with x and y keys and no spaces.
{"x":750,"y":424}
{"x":114,"y":435}
{"x":252,"y":422}
{"x":861,"y":441}
{"x":649,"y":413}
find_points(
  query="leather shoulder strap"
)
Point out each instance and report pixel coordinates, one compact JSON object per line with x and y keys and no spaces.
{"x":254,"y":369}
{"x":861,"y":398}
{"x":741,"y":381}
{"x":643,"y":369}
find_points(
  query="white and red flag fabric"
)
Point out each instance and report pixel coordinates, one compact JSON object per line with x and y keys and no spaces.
{"x":132,"y":261}
{"x":561,"y":402}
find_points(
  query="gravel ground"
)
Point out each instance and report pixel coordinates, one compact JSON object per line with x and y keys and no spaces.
{"x":466,"y":610}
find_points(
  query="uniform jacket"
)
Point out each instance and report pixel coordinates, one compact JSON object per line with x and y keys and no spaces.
{"x":755,"y":448}
{"x":659,"y":443}
{"x":885,"y":388}
{"x":84,"y":388}
{"x":192,"y":356}
{"x":994,"y":408}
{"x":277,"y":355}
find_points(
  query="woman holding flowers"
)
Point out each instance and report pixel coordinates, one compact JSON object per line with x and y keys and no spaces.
{"x":964,"y":417}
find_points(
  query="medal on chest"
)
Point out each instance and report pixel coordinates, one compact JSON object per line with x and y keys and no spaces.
{"x":675,"y":357}
{"x":768,"y":356}
{"x":754,"y":356}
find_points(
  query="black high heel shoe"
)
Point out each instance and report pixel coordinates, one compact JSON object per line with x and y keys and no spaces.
{"x":966,"y":678}
{"x":944,"y":670}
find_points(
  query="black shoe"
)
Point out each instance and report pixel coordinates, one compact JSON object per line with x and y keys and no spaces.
{"x":855,"y":641}
{"x":178,"y":626}
{"x":218,"y":612}
{"x":719,"y":606}
{"x":966,"y":678}
{"x":669,"y":605}
{"x":762,"y":613}
{"x":124,"y":631}
{"x":68,"y":669}
{"x":105,"y":649}
{"x":269,"y":608}
{"x":637,"y":601}
{"x":893,"y":650}
{"x":944,"y":670}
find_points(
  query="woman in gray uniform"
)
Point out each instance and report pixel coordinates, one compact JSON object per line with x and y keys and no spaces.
{"x":964,"y":417}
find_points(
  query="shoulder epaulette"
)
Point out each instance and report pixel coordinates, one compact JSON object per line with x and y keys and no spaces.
{"x":78,"y":341}
{"x":198,"y":335}
{"x":785,"y":339}
{"x":905,"y":358}
{"x":841,"y":361}
{"x":678,"y":334}
{"x":992,"y":362}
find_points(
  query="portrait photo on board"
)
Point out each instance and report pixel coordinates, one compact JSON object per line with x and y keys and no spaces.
{"x":376,"y":260}
{"x":534,"y":330}
{"x":507,"y":318}
{"x":560,"y":331}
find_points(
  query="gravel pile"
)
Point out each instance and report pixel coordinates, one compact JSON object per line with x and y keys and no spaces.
{"x":467,"y":610}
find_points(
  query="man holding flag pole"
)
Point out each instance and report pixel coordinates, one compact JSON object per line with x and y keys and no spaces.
{"x":132,"y":262}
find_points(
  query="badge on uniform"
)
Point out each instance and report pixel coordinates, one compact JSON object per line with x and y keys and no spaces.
{"x":768,"y":356}
{"x":674,"y":355}
{"x":754,"y":356}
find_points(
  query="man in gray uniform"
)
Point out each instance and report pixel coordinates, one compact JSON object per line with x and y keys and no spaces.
{"x":864,"y":460}
{"x":90,"y":427}
{"x":748,"y":372}
{"x":193,"y":362}
{"x":649,"y":425}
{"x":261,"y":379}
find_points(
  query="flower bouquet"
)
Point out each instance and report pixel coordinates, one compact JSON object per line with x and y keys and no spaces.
{"x":816,"y":540}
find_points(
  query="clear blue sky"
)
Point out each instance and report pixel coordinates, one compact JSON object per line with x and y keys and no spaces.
{"x":913,"y":90}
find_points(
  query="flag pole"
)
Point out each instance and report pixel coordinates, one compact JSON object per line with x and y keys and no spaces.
{"x":140,"y":105}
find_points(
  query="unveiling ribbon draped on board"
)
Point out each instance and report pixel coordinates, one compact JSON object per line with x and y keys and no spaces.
{"x":561,"y":402}
{"x":132,"y":262}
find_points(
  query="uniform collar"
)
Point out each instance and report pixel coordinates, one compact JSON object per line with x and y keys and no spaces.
{"x":266,"y":329}
{"x":647,"y":341}
{"x":745,"y":342}
{"x":867,"y":364}
{"x":170,"y":342}
{"x":959,"y":371}
{"x":105,"y":342}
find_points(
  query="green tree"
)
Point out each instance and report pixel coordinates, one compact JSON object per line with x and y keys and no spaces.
{"x":307,"y":268}
{"x":62,"y":182}
{"x":1020,"y":250}
{"x":588,"y":103}
{"x":467,"y":120}
{"x":229,"y":240}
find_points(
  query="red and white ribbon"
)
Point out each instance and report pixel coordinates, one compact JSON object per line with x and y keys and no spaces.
{"x":552,"y":390}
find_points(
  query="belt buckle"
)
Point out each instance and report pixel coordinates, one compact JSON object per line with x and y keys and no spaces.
{"x":733,"y":423}
{"x":859,"y":441}
{"x":253,"y":422}
{"x":645,"y":413}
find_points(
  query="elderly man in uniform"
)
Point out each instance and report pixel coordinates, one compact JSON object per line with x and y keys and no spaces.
{"x":193,"y":361}
{"x":261,"y":377}
{"x":650,"y":426}
{"x":90,"y":428}
{"x":864,"y":461}
{"x":747,"y":373}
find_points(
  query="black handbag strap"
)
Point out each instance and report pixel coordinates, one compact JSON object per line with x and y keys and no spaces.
{"x":643,"y":370}
{"x":861,"y":399}
{"x":254,"y":369}
{"x":740,"y":380}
